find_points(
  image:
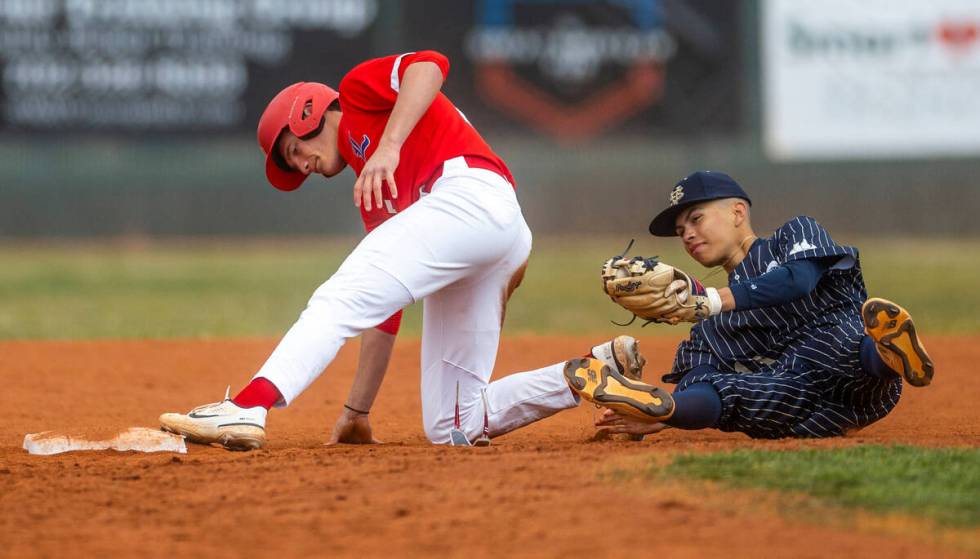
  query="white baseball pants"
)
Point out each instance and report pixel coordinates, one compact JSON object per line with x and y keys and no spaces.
{"x":457,"y":248}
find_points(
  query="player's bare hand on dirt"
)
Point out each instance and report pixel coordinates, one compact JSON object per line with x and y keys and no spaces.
{"x":380,"y":168}
{"x":352,"y":428}
{"x":614,"y":423}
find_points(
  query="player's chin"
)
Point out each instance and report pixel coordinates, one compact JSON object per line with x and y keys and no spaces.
{"x":333,"y":171}
{"x":707,"y":260}
{"x":699,"y":256}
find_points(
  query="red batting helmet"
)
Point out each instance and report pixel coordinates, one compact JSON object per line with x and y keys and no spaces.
{"x":286,"y":110}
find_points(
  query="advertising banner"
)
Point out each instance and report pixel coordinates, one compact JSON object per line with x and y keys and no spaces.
{"x":166,"y":65}
{"x":847,"y":79}
{"x":569,"y":70}
{"x":573,"y":70}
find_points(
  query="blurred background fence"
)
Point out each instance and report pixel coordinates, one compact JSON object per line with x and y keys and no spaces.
{"x":136,"y":118}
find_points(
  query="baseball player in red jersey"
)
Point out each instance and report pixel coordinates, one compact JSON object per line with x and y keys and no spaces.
{"x":444,"y":226}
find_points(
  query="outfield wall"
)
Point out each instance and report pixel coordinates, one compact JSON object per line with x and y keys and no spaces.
{"x":708,"y":70}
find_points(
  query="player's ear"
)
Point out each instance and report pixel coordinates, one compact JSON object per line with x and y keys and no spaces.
{"x":740,"y":212}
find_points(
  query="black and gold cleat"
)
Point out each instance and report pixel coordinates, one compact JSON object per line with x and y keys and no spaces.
{"x":603,"y":386}
{"x":891,"y":327}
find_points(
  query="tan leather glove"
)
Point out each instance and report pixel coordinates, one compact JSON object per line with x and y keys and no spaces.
{"x":658,"y":292}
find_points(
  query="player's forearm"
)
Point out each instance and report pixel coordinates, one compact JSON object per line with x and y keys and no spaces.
{"x":727,"y":299}
{"x":419,"y":86}
{"x":376,"y":348}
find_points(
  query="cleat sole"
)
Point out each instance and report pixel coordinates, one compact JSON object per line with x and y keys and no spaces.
{"x":893,"y":331}
{"x":242,"y":437}
{"x":606,"y":387}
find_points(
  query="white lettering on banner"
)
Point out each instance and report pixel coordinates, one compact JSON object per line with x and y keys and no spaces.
{"x":571,"y":52}
{"x":848,"y":79}
{"x":150,"y":64}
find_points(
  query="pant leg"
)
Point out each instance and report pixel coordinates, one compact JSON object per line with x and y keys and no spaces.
{"x":523,"y":398}
{"x":465,"y":225}
{"x":811,"y":404}
{"x":873,"y":364}
{"x":357,"y":297}
{"x":761,"y":406}
{"x":461,"y":334}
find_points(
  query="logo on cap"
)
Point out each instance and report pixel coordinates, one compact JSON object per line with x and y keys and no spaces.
{"x":676,"y":195}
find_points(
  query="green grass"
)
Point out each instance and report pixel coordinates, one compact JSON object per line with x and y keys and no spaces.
{"x":940,"y":484}
{"x":249,"y":288}
{"x":194,"y":290}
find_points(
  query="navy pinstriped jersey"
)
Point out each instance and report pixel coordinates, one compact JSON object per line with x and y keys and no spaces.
{"x":776,"y":367}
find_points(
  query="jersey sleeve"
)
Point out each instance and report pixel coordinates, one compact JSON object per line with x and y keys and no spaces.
{"x":802,"y":237}
{"x":374,"y":85}
{"x":781,"y":285}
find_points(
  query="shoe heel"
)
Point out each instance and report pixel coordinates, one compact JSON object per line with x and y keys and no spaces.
{"x":241,"y":437}
{"x":897,"y":336}
{"x":870,"y":310}
{"x":572,"y":365}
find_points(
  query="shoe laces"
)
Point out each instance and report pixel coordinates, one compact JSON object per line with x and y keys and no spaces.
{"x":214,"y":404}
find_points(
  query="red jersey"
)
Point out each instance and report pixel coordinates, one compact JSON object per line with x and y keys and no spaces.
{"x":367,"y":95}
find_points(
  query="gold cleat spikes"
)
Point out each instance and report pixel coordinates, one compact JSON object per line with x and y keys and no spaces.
{"x":891,"y":327}
{"x":606,"y":387}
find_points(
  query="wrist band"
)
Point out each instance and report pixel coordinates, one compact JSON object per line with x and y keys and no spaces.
{"x":714,"y":301}
{"x":356,"y":411}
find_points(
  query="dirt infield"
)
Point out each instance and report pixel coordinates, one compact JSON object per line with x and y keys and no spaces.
{"x":537,"y":492}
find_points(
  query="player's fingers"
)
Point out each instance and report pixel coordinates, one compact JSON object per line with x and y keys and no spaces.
{"x":376,"y":183}
{"x":606,"y":413}
{"x":613,"y":419}
{"x":335,"y":435}
{"x":391,"y":185}
{"x":366,"y":191}
{"x":662,"y":427}
{"x":653,"y":429}
{"x":357,"y":190}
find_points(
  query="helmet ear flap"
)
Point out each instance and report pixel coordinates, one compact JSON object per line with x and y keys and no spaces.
{"x":306,"y":113}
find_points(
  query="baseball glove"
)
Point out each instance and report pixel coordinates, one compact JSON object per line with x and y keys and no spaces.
{"x":657,"y":292}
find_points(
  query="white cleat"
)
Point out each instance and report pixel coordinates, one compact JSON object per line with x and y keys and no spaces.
{"x":622,"y":354}
{"x":224,"y":423}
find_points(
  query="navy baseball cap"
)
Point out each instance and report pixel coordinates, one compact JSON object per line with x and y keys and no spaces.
{"x":693,"y":189}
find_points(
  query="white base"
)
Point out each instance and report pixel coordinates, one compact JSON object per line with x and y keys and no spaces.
{"x":138,"y":439}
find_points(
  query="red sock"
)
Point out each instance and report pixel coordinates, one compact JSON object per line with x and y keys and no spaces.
{"x":259,"y":392}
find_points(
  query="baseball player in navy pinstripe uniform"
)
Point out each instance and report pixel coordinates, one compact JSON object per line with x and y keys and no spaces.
{"x":792,"y":347}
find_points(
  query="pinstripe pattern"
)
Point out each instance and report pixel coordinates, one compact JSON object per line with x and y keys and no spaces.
{"x":791,"y":369}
